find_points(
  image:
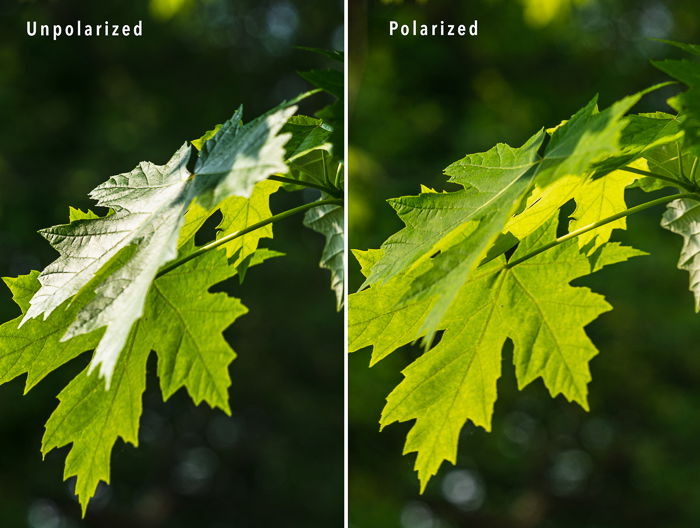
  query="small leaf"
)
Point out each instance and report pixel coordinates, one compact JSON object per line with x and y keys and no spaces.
{"x":307,"y":134}
{"x":192,"y":351}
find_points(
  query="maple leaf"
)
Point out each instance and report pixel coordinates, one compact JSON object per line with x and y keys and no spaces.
{"x":576,"y":149}
{"x":434,"y":221}
{"x":92,"y":420}
{"x":191,"y":350}
{"x":642,"y":133}
{"x":456,"y":230}
{"x":318,"y":168}
{"x":192,"y":353}
{"x":311,"y":162}
{"x":672,"y":162}
{"x":447,"y":269}
{"x":532,"y":303}
{"x":149,"y":204}
{"x":453,"y":230}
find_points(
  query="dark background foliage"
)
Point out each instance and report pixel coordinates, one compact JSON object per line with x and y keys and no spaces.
{"x":417,"y":104}
{"x":76,"y":111}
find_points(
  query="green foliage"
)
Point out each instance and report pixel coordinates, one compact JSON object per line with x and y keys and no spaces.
{"x":536,"y":308}
{"x":484,"y":265}
{"x":688,"y":103}
{"x":133,"y":281}
{"x":192,"y":353}
{"x":331,"y":80}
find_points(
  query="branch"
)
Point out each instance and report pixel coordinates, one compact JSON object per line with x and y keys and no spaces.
{"x":232,"y":236}
{"x":600,"y":223}
{"x":654,"y":175}
{"x":303,"y":183}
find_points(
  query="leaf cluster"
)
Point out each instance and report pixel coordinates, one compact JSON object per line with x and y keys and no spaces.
{"x":131,"y":280}
{"x":495,"y":259}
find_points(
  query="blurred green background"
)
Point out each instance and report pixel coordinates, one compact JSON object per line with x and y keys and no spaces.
{"x":76,"y":111}
{"x":418,"y":104}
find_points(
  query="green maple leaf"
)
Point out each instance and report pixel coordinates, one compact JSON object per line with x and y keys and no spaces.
{"x":577,"y":147}
{"x":149,"y":204}
{"x":318,"y":167}
{"x":456,"y":230}
{"x":642,"y":133}
{"x":191,"y":349}
{"x":312,"y":162}
{"x":435,"y":221}
{"x":92,"y":420}
{"x":494,"y":183}
{"x":192,"y":353}
{"x":237,"y":213}
{"x":599,"y":190}
{"x":531,"y":303}
{"x":586,"y":138}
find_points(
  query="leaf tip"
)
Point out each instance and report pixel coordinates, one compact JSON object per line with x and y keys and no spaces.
{"x":423,"y":483}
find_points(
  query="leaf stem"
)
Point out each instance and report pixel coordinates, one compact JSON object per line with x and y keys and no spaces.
{"x":236,"y":234}
{"x":680,"y":161}
{"x":304,"y":183}
{"x":654,"y":175}
{"x":692,"y":169}
{"x":600,"y":223}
